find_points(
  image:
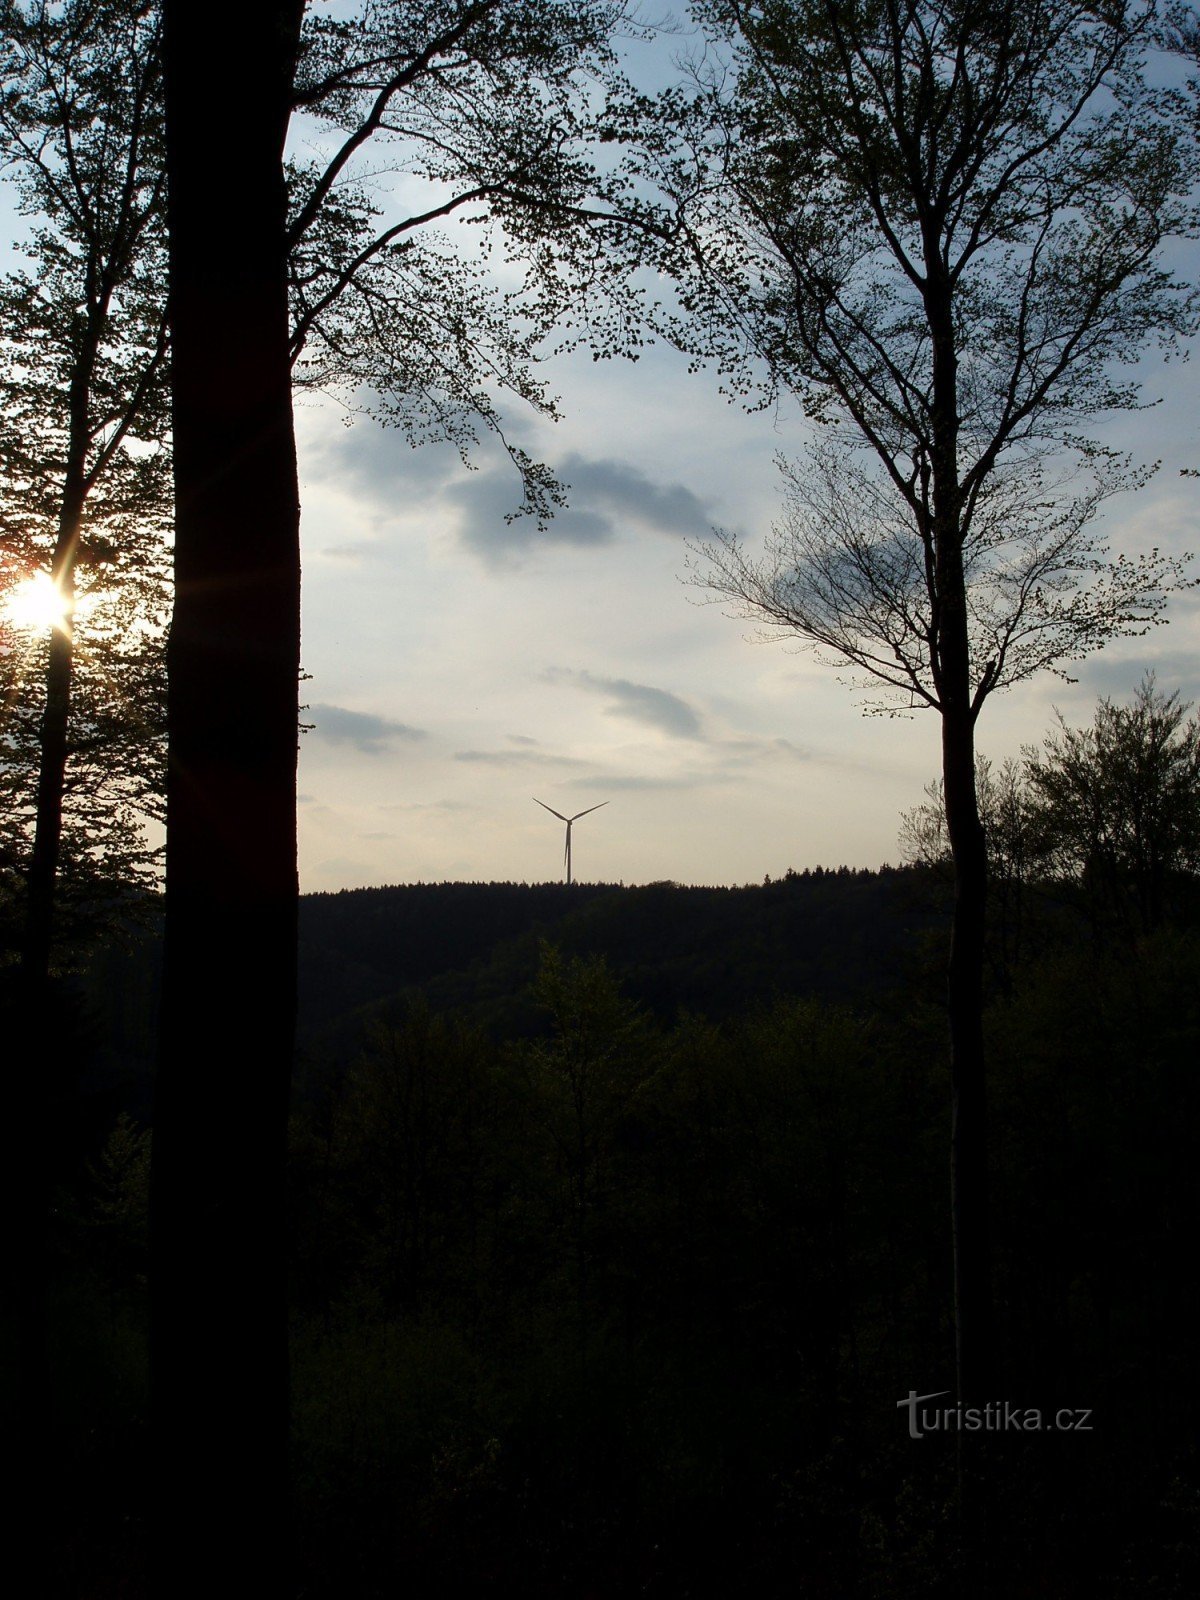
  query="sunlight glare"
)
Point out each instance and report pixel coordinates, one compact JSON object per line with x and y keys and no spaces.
{"x":38,"y":605}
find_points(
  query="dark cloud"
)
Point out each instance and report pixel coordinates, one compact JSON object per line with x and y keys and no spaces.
{"x":486,"y":498}
{"x":521,"y":738}
{"x":368,"y":733}
{"x":379,"y":464}
{"x":605,"y":497}
{"x":641,"y":702}
{"x":628,"y":494}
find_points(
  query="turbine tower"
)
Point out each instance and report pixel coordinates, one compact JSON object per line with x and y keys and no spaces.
{"x":568,"y":821}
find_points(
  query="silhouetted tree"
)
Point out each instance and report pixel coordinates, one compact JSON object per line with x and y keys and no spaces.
{"x":1112,"y":810}
{"x":1116,"y":807}
{"x":83,"y":419}
{"x":83,"y":551}
{"x":483,"y":108}
{"x":481,"y":95}
{"x":582,"y":1081}
{"x":939,"y":225}
{"x":219,"y":1324}
{"x":1004,"y":805}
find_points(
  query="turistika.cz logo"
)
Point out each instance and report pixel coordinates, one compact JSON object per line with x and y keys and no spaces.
{"x":1000,"y":1416}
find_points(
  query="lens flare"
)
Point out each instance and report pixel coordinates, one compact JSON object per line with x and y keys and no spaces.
{"x":37,"y":605}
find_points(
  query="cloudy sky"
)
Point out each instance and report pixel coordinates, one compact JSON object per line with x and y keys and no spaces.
{"x":462,"y":665}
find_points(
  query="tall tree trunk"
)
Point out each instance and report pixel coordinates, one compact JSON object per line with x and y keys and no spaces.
{"x":968,"y":848}
{"x":42,"y":1053}
{"x":968,"y":1140}
{"x":52,"y":773}
{"x":52,"y":765}
{"x":218,"y":1294}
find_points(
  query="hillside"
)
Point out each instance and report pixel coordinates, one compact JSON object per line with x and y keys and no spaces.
{"x":474,"y":947}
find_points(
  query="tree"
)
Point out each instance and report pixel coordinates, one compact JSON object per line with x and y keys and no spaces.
{"x":481,"y":108}
{"x":484,"y":101}
{"x":218,"y":1352}
{"x":1112,"y":809}
{"x":583,"y":1080}
{"x":940,"y":224}
{"x":1004,"y":812}
{"x":85,"y":500}
{"x":83,"y":520}
{"x":375,"y":310}
{"x":456,"y":81}
{"x":1116,"y":807}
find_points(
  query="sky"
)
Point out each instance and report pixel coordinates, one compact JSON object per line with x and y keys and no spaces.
{"x":462,"y":665}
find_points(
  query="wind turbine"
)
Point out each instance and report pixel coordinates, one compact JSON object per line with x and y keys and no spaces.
{"x":568,"y":821}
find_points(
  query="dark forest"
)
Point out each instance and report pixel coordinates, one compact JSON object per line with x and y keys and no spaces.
{"x":616,"y":1241}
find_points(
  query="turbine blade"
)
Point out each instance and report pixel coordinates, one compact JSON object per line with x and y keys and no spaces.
{"x":588,"y":812}
{"x":550,"y":809}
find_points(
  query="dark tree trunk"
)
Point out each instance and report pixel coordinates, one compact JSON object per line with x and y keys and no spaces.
{"x":43,"y":1054}
{"x":973,"y":1333}
{"x":218,"y":1294}
{"x":968,"y":1139}
{"x":973,"y":1337}
{"x":52,"y":772}
{"x":52,"y":766}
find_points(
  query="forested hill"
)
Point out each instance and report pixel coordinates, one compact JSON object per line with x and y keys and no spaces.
{"x":838,"y":933}
{"x":474,"y":948}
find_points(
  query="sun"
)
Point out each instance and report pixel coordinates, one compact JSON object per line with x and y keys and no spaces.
{"x":37,"y":604}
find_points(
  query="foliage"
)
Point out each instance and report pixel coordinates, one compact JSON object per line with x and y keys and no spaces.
{"x":851,"y":570}
{"x":120,"y":1198}
{"x":941,"y":227}
{"x":84,"y":490}
{"x":405,"y":1132}
{"x":1113,"y":809}
{"x":764,"y":1277}
{"x":582,"y":1083}
{"x":1117,"y":806}
{"x":477,"y":112}
{"x":475,"y":948}
{"x":1002,"y":807}
{"x":480,"y":111}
